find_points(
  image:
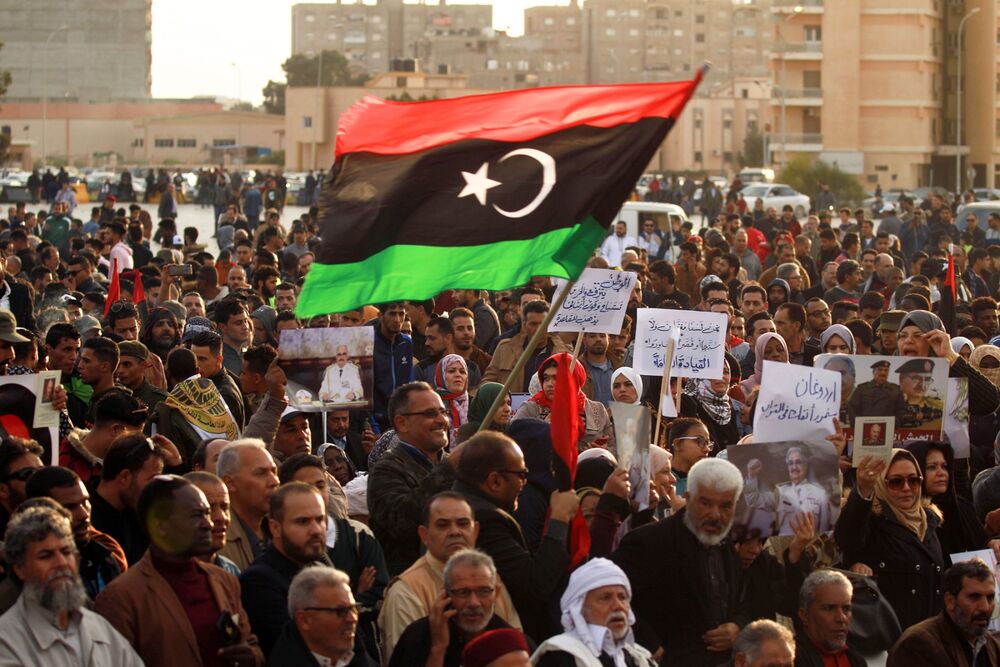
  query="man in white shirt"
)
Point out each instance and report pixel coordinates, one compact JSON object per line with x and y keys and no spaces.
{"x":120,"y":251}
{"x":615,"y":245}
{"x":342,"y":380}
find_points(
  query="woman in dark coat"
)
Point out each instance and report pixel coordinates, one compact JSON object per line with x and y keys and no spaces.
{"x":889,"y":526}
{"x":534,"y":438}
{"x":960,"y":530}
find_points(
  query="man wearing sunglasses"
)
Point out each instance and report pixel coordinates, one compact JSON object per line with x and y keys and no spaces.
{"x":173,"y":608}
{"x":19,"y":459}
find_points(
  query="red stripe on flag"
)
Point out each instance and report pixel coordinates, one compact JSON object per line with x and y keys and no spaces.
{"x":566,"y":425}
{"x":114,"y":289}
{"x":393,"y":128}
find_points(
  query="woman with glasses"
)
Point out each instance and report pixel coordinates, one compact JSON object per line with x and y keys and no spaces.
{"x":890,"y":526}
{"x":689,"y":442}
{"x":960,"y":530}
{"x":709,"y":401}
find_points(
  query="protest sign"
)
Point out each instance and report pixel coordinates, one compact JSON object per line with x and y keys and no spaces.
{"x":20,"y":396}
{"x":781,"y":479}
{"x":632,"y":436}
{"x":596,"y":303}
{"x":701,"y":342}
{"x":911,"y":389}
{"x":988,"y":557}
{"x":873,"y":437}
{"x":796,"y":402}
{"x":328,"y":368}
{"x":956,"y":417}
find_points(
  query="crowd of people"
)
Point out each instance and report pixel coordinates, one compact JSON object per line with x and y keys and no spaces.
{"x":188,"y":513}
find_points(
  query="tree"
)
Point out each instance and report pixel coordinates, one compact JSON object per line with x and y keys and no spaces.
{"x":242,"y":106}
{"x":752,"y":154}
{"x":301,"y":70}
{"x":4,"y":137}
{"x":805,"y":176}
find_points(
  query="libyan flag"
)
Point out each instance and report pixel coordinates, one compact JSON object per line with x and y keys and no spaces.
{"x":479,"y":192}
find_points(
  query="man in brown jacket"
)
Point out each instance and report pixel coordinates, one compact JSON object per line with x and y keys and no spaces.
{"x":509,"y":350}
{"x":959,"y":635}
{"x":173,"y":608}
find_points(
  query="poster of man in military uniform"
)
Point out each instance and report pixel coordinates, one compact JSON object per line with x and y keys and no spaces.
{"x":910,"y":390}
{"x":783,"y":479}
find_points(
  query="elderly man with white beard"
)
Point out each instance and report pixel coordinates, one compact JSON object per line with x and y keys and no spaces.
{"x":597,"y":619}
{"x":689,"y":560}
{"x":50,"y":624}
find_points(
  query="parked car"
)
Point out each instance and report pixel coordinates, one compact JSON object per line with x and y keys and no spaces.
{"x":981,"y":209}
{"x":777,"y":195}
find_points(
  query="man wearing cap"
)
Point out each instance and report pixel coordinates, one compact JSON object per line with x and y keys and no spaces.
{"x":888,"y":325}
{"x":878,"y":397}
{"x":504,"y":647}
{"x":8,"y":336}
{"x":133,"y":364}
{"x":597,"y":621}
{"x":914,"y":377}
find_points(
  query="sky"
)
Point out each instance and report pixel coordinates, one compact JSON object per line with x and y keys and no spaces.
{"x":231,"y":48}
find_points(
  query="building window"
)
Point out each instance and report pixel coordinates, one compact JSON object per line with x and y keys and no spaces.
{"x":727,"y":156}
{"x":633,"y":32}
{"x":697,"y":123}
{"x":699,"y":38}
{"x":814,"y":33}
{"x":609,"y":32}
{"x":310,"y":18}
{"x":223,"y":142}
{"x":700,"y":18}
{"x":697,"y":156}
{"x":163,"y":143}
{"x":610,"y":13}
{"x":678,"y":33}
{"x":571,"y":20}
{"x":548,"y":20}
{"x":307,"y":121}
{"x":138,"y":143}
{"x":187,"y":143}
{"x":727,"y":123}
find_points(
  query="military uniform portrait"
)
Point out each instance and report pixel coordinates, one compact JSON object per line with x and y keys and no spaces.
{"x":877,"y":397}
{"x":923,"y":404}
{"x":327,"y":367}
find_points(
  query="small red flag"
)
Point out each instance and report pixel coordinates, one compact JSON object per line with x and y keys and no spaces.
{"x":114,"y":290}
{"x":138,"y":294}
{"x":566,"y":426}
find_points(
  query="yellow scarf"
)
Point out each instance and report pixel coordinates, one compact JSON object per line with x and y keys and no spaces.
{"x":914,"y":518}
{"x":202,"y":406}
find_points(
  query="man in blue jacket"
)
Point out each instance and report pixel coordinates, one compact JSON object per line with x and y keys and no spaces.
{"x":393,"y":362}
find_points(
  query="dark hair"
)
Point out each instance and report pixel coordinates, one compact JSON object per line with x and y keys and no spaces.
{"x":59,"y":332}
{"x":156,"y":498}
{"x":426,"y":306}
{"x":827,"y":234}
{"x":748,"y":289}
{"x":43,"y":480}
{"x":862,"y":331}
{"x":209,"y":339}
{"x":400,"y":400}
{"x":121,"y":310}
{"x":755,"y":318}
{"x":443,"y":325}
{"x":259,"y":357}
{"x":181,"y":364}
{"x":983,"y":303}
{"x":208,"y":274}
{"x":841,"y":308}
{"x":482,"y":454}
{"x":972,"y":331}
{"x":536,"y":307}
{"x":117,"y":406}
{"x":425,"y":512}
{"x":105,"y":350}
{"x":277,"y":506}
{"x":846,"y":268}
{"x":13,"y":448}
{"x":295,"y":463}
{"x":680,"y":426}
{"x":128,"y":452}
{"x":872,"y":300}
{"x":227,"y":308}
{"x":284,"y":316}
{"x":796,"y":313}
{"x":460,"y":312}
{"x":664,"y":269}
{"x":954,"y":575}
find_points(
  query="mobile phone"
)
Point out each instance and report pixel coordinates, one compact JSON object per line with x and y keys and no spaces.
{"x":180,"y":270}
{"x":229,"y":630}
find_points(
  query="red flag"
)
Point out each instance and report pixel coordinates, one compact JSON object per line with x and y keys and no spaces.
{"x":566,"y":426}
{"x":114,"y":290}
{"x":138,"y":295}
{"x":949,"y":296}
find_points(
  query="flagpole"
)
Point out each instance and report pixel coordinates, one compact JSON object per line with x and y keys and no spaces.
{"x":523,"y":359}
{"x":664,"y":386}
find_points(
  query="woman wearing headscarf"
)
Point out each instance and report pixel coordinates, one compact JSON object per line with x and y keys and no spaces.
{"x":534,"y":437}
{"x":480,"y":405}
{"x":768,"y":347}
{"x":709,"y":401}
{"x":837,"y":339}
{"x":598,"y":431}
{"x":962,"y":346}
{"x":960,"y":529}
{"x":451,"y":382}
{"x":890,"y":526}
{"x":983,"y":428}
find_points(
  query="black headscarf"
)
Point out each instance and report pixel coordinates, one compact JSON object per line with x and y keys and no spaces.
{"x":960,"y":530}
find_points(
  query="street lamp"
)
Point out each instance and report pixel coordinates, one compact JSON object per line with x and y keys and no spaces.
{"x":796,"y":10}
{"x":45,"y":93}
{"x":958,"y":104}
{"x":315,"y":120}
{"x":239,"y":100}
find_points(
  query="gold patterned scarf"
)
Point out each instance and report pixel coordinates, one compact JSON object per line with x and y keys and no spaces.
{"x":201,"y":404}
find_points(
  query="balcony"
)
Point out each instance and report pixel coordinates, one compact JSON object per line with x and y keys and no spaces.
{"x":796,"y":143}
{"x":798,"y":97}
{"x":797,"y":50}
{"x":789,"y":6}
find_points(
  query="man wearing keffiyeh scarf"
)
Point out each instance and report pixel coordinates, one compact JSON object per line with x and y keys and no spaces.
{"x":597,"y":619}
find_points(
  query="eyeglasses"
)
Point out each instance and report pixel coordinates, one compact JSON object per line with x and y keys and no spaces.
{"x":341,"y":612}
{"x":813,"y":313}
{"x":897,"y":483}
{"x":21,"y":475}
{"x":427,"y":414}
{"x":466,"y":593}
{"x":119,"y":306}
{"x":523,"y":474}
{"x":701,"y":441}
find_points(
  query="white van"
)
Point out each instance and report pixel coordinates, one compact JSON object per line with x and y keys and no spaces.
{"x":634,"y":212}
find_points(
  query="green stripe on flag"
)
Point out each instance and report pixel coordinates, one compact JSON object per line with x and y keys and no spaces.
{"x":417,"y":272}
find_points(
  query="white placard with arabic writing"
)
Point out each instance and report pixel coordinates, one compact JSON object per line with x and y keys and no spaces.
{"x":796,"y":403}
{"x":701,"y":345}
{"x":596,"y":303}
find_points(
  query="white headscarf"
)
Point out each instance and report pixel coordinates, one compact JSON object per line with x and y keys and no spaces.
{"x":632,"y":377}
{"x":598,"y":638}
